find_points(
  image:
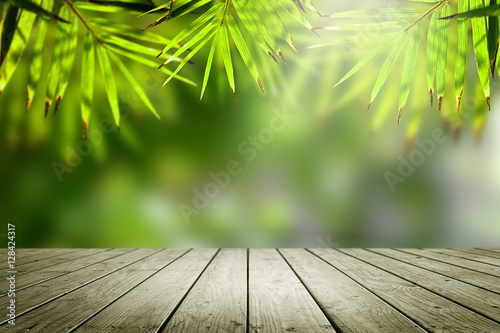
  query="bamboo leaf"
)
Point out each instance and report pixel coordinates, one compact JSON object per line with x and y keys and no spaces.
{"x":55,"y":65}
{"x":87,"y":88}
{"x":409,"y":68}
{"x":35,"y":8}
{"x":142,"y":95}
{"x":17,"y":46}
{"x":195,"y":25}
{"x":363,"y":61}
{"x":242,"y":47}
{"x":370,"y":26}
{"x":8,"y":23}
{"x":109,"y":80}
{"x":461,"y":57}
{"x":481,"y":49}
{"x":37,"y":58}
{"x":442,"y":61}
{"x":294,"y":12}
{"x":352,"y":38}
{"x":493,"y":10}
{"x":432,"y":53}
{"x":226,"y":56}
{"x":209,"y":63}
{"x":278,"y":24}
{"x":190,"y":55}
{"x":68,"y":55}
{"x":388,"y":64}
{"x":493,"y":34}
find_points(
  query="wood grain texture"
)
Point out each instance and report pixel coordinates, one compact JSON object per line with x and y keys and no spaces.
{"x":218,"y":301}
{"x":350,"y":306}
{"x":146,"y":307}
{"x":429,"y":310}
{"x":67,"y":312}
{"x":472,"y":297}
{"x":466,"y":263}
{"x":485,"y":281}
{"x":278,"y":302}
{"x":256,"y":290}
{"x":53,"y":288}
{"x":470,"y":255}
{"x":31,"y":278}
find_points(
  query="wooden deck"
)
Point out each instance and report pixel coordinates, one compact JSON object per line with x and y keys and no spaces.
{"x":255,"y":290}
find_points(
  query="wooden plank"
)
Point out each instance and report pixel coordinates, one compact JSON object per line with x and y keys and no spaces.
{"x":470,"y":264}
{"x":472,"y":297}
{"x":26,"y":256}
{"x":350,"y":306}
{"x":278,"y":301}
{"x":431,"y":311}
{"x":482,"y":252}
{"x":146,"y":307}
{"x":51,"y":261}
{"x":470,"y":255}
{"x":486,"y":281}
{"x":31,"y":278}
{"x":218,"y":301}
{"x":66,"y":312}
{"x":40,"y":293}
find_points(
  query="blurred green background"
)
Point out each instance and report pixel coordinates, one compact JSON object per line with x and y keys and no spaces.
{"x":319,"y":182}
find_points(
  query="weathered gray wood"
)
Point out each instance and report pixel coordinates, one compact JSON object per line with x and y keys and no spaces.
{"x":45,"y":263}
{"x":470,"y":255}
{"x":278,"y":302}
{"x":351,"y":307}
{"x":31,"y":278}
{"x":431,"y":311}
{"x":475,"y":278}
{"x":66,"y":312}
{"x":482,"y":252}
{"x":218,"y":301}
{"x":27,"y":256}
{"x":472,"y":297}
{"x":53,"y":288}
{"x":470,"y":264}
{"x":147,"y":306}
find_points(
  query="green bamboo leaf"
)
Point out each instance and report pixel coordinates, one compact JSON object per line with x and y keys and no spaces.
{"x":493,"y":34}
{"x":35,"y":8}
{"x":148,"y":63}
{"x":226,"y":56}
{"x":142,"y":95}
{"x":432,"y":53}
{"x":55,"y":65}
{"x":109,"y":80}
{"x":179,"y":11}
{"x":199,"y":36}
{"x":378,"y":12}
{"x":290,"y":7}
{"x":461,"y":57}
{"x":8,"y":25}
{"x":256,"y":27}
{"x":388,"y":64}
{"x":209,"y":63}
{"x":195,"y":25}
{"x":493,"y":10}
{"x":481,"y":49}
{"x":128,"y":30}
{"x":17,"y":46}
{"x":68,"y":55}
{"x":363,"y":61}
{"x":128,"y":45}
{"x":409,"y":68}
{"x":242,"y":47}
{"x":310,"y":5}
{"x":190,"y":55}
{"x":37,"y":58}
{"x":442,"y":61}
{"x":87,"y":88}
{"x":278,"y":24}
